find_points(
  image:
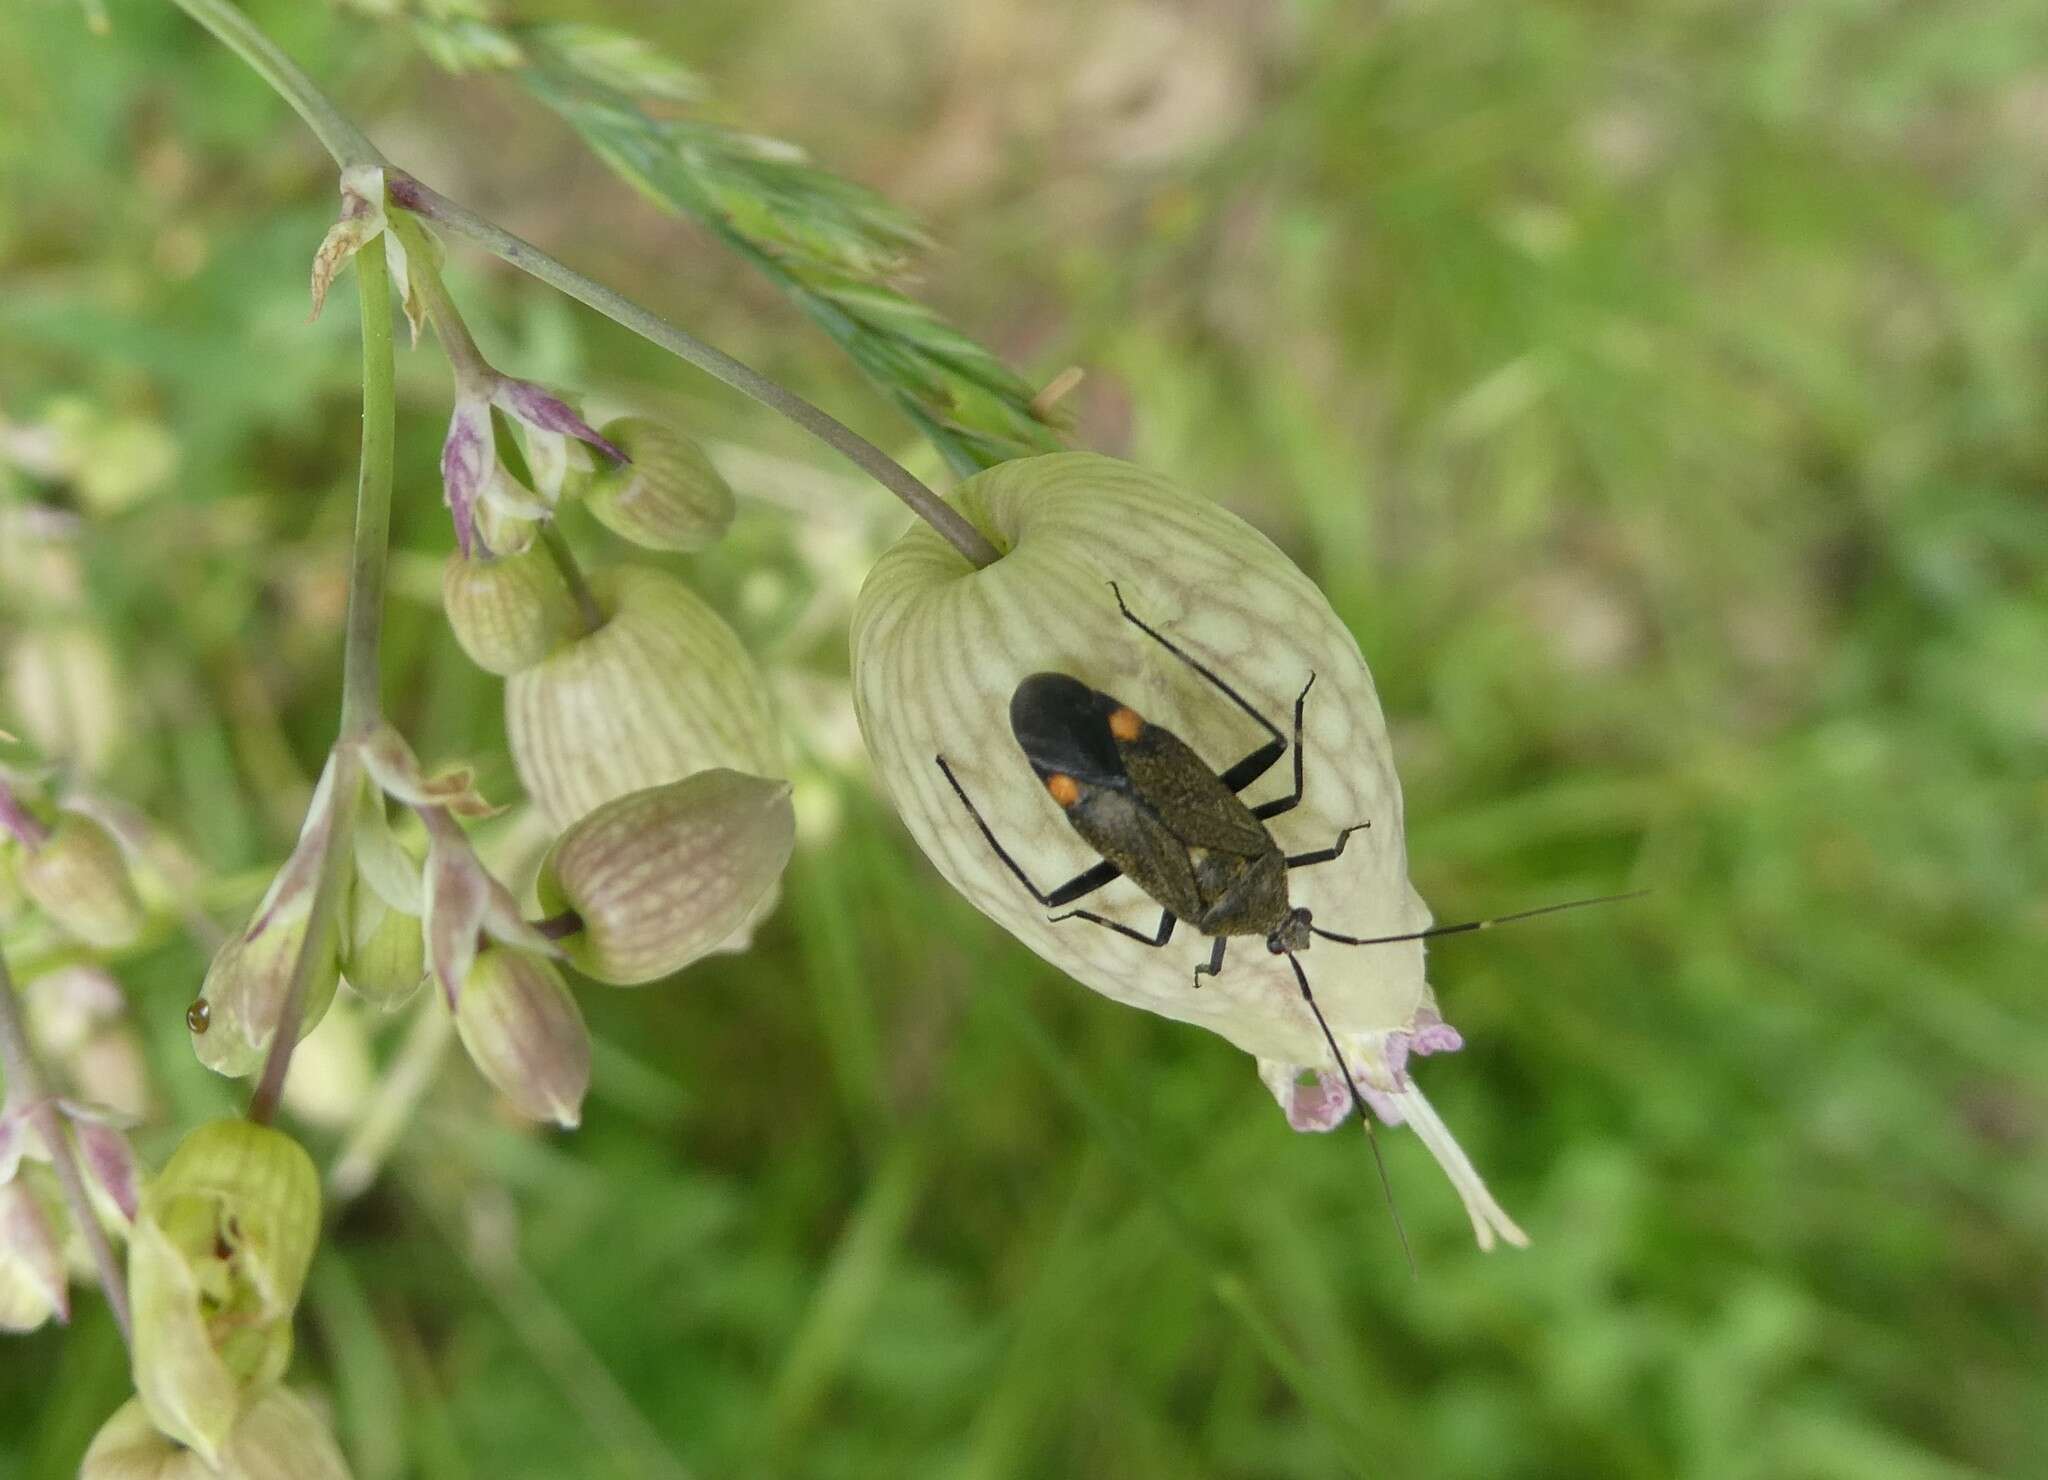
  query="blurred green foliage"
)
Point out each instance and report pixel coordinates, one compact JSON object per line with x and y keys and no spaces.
{"x":1660,"y":394}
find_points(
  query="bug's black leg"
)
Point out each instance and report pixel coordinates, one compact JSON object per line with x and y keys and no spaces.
{"x":1260,"y":761}
{"x":1293,"y":799}
{"x":1165,"y":934}
{"x":1086,"y":882}
{"x":1324,"y":855}
{"x":1215,"y":964}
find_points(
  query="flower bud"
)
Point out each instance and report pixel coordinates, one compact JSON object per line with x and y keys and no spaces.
{"x":216,"y":1260}
{"x":663,"y":690}
{"x":279,"y":1438}
{"x":660,"y":877}
{"x":669,"y":497}
{"x":79,"y":878}
{"x":507,"y":611}
{"x":939,"y":648}
{"x":387,"y":952}
{"x":478,"y":488}
{"x":525,"y":1035}
{"x":33,"y":1283}
{"x":243,"y":995}
{"x":65,"y":691}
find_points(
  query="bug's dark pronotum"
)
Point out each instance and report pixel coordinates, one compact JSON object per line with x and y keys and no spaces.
{"x":1161,"y":816}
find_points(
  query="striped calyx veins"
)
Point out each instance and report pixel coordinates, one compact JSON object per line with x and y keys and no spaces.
{"x":662,"y":690}
{"x":661,"y":877}
{"x":938,"y":649}
{"x":668,"y":497}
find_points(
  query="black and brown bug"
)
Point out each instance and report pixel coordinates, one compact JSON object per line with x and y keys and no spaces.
{"x":1162,"y":817}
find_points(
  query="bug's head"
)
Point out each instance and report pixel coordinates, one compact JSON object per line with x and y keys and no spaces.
{"x":1062,"y":726}
{"x":1292,"y":933}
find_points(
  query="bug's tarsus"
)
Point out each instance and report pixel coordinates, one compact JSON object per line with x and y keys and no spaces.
{"x":1165,"y":932}
{"x":1266,"y":811}
{"x":1214,"y":965}
{"x":1083,"y":883}
{"x":1260,"y":761}
{"x":1324,"y":855}
{"x":1470,"y":925}
{"x":1358,"y":1103}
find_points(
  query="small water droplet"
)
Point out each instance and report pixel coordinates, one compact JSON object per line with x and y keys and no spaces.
{"x":198,"y":1015}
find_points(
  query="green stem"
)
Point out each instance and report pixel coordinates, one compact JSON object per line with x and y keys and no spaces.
{"x":350,"y":146}
{"x":27,"y":1086}
{"x":472,"y":371}
{"x":557,"y":546}
{"x":360,"y":702}
{"x":360,"y":709}
{"x":458,"y":220}
{"x":336,"y":131}
{"x":322,"y":941}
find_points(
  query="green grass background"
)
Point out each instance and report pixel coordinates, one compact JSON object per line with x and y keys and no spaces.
{"x":1657,"y":390}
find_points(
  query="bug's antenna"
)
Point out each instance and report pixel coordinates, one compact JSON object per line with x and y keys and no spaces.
{"x":1364,"y":1114}
{"x":1470,"y":925}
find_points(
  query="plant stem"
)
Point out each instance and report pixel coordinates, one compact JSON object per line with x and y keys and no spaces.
{"x":26,"y":1083}
{"x":361,"y":709}
{"x":359,"y":668}
{"x":552,"y":541}
{"x":350,"y":146}
{"x":458,"y":220}
{"x":323,"y":934}
{"x":335,"y":130}
{"x":360,"y":703}
{"x":473,"y":372}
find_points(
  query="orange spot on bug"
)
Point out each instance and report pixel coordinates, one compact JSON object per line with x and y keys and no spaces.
{"x":1126,"y":725}
{"x":1064,"y":788}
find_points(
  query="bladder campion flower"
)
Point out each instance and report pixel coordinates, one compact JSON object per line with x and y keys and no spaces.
{"x":669,"y":497}
{"x":662,"y":690}
{"x":78,"y":876}
{"x":658,"y":878}
{"x":508,"y":611}
{"x":218,"y":1256}
{"x":938,"y":649}
{"x":279,"y":1437}
{"x":520,"y":1024}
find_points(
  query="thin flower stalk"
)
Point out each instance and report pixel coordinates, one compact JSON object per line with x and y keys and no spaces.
{"x":349,"y":147}
{"x":360,"y":704}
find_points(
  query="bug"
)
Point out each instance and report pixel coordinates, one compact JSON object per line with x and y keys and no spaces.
{"x":1162,"y":817}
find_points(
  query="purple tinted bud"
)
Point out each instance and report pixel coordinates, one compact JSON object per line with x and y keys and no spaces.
{"x":549,"y":413}
{"x":109,"y":1160}
{"x":468,"y":459}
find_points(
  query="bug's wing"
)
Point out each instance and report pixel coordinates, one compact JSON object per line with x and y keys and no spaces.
{"x":1130,"y":835}
{"x":1188,"y":798}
